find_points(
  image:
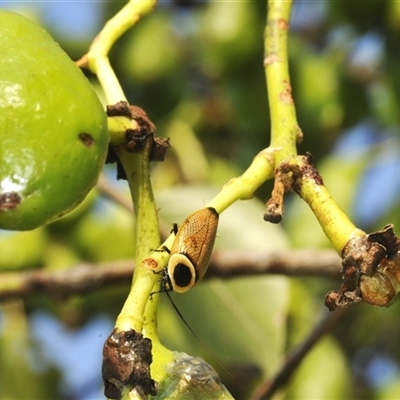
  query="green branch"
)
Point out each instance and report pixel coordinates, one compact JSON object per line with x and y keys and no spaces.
{"x":293,"y":172}
{"x":285,"y":131}
{"x":97,"y":58}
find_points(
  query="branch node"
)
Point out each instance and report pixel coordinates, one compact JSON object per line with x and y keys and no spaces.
{"x":137,"y":139}
{"x":371,"y":271}
{"x":126,"y":363}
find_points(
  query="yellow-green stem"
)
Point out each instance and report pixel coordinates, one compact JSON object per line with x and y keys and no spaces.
{"x":285,"y":131}
{"x":117,"y":127}
{"x":108,"y":80}
{"x":97,"y":57}
{"x":337,"y":226}
{"x":244,"y":186}
{"x":136,"y":166}
{"x":284,"y":127}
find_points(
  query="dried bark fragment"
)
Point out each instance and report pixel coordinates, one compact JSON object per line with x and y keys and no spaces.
{"x":159,"y":149}
{"x":137,"y":140}
{"x":290,"y":177}
{"x":126,"y":365}
{"x":371,"y":271}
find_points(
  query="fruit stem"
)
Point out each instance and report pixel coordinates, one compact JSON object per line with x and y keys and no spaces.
{"x":280,"y":158}
{"x":136,"y":167}
{"x":244,"y":186}
{"x":284,"y":126}
{"x":294,"y":172}
{"x":97,"y":58}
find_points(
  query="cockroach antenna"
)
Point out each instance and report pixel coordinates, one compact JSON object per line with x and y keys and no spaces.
{"x":193,"y":332}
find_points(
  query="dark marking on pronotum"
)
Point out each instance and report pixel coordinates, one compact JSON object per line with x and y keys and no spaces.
{"x":86,"y":139}
{"x":9,"y":200}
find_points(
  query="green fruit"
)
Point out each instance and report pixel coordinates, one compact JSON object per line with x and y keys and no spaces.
{"x":53,"y":129}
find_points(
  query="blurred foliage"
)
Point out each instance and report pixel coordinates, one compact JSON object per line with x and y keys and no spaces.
{"x":196,"y":68}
